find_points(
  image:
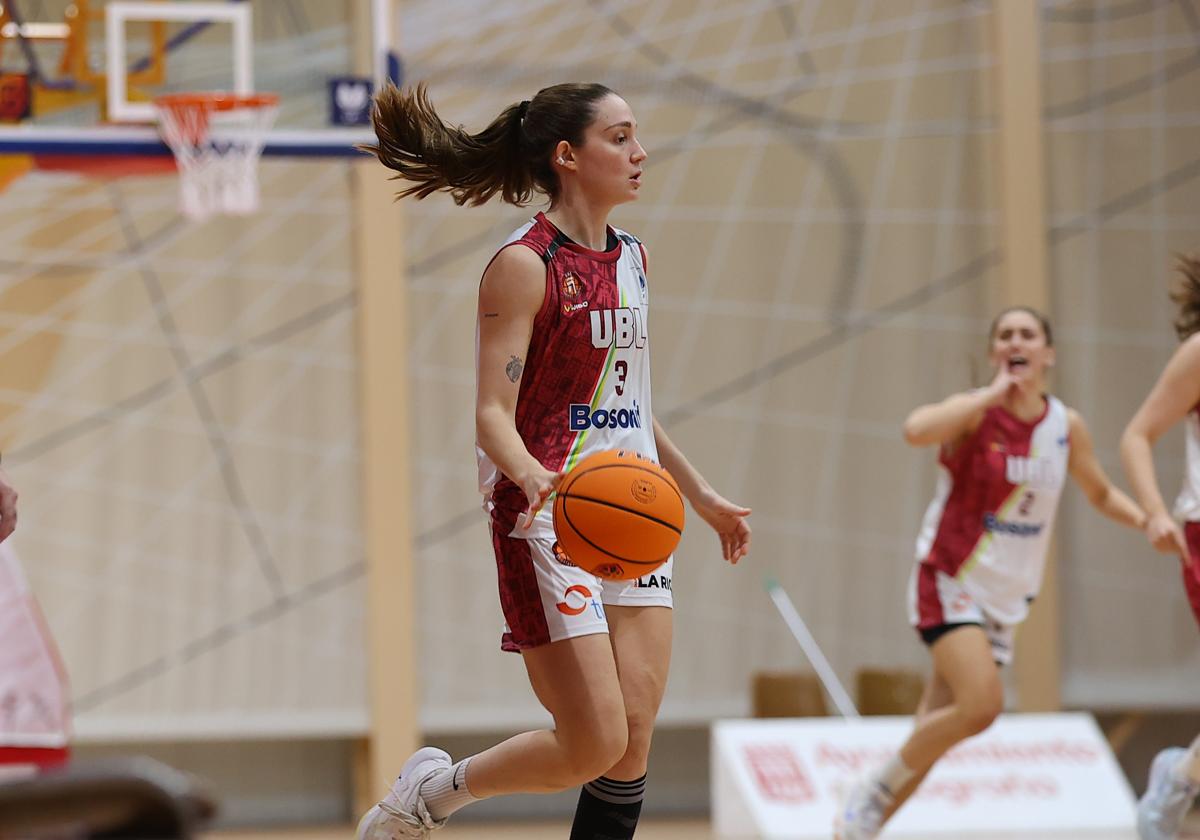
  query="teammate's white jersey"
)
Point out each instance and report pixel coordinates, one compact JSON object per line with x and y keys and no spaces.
{"x":990,"y":520}
{"x":1187,"y":506}
{"x":35,"y":725}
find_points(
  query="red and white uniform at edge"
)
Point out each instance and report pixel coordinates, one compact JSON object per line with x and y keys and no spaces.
{"x":989,"y":523}
{"x":1187,"y":509}
{"x":1187,"y":505}
{"x":35,"y":725}
{"x":586,"y":384}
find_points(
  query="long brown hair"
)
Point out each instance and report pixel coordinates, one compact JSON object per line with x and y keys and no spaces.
{"x":1187,"y":296}
{"x":511,"y":156}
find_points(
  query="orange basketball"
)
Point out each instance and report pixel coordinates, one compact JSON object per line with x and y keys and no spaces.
{"x":618,"y":515}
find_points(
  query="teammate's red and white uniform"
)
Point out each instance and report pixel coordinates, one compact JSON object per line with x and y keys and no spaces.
{"x":585,"y":388}
{"x":35,"y":724}
{"x":982,"y":546}
{"x":1187,"y":508}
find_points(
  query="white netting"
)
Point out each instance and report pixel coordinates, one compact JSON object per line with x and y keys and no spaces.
{"x":217,"y":140}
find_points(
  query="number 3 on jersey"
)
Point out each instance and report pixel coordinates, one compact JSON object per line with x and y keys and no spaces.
{"x":621,"y":368}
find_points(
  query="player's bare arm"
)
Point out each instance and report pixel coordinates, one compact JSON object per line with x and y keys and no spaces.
{"x":510,"y":295}
{"x":1175,"y":393}
{"x":948,"y":421}
{"x":726,"y":518}
{"x":1085,"y":469}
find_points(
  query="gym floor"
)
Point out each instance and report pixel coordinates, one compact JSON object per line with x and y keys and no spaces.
{"x":651,"y":830}
{"x":550,"y":830}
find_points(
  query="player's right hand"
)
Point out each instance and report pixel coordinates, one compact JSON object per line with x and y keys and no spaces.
{"x":1005,"y":384}
{"x":1166,"y":536}
{"x":538,"y":485}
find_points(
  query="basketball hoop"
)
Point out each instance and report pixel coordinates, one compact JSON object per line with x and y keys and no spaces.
{"x":217,"y":139}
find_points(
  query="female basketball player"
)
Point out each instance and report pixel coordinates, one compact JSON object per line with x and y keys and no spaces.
{"x":1005,"y":451}
{"x":1175,"y":773}
{"x":561,"y":325}
{"x":8,"y":507}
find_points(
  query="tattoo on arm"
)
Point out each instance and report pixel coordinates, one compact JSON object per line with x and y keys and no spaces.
{"x":491,"y":314}
{"x":513,"y":368}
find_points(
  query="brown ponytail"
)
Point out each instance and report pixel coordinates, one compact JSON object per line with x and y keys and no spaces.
{"x":1187,"y":296}
{"x":511,"y":156}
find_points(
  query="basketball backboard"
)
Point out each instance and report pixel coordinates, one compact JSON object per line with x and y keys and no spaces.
{"x":96,"y":65}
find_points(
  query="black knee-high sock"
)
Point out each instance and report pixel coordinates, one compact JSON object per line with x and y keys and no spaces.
{"x":608,"y":809}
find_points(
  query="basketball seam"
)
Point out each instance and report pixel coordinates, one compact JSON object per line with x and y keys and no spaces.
{"x":594,"y":500}
{"x":603,"y":550}
{"x":660,"y":472}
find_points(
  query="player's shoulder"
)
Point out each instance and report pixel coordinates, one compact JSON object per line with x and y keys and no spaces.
{"x":515,"y":273}
{"x":1074,"y":419}
{"x":626,"y":237}
{"x":1188,"y":353}
{"x":1059,"y":409}
{"x":537,"y":235}
{"x":633,"y":246}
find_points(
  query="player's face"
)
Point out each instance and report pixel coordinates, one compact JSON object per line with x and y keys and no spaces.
{"x":609,"y":163}
{"x":1019,"y":343}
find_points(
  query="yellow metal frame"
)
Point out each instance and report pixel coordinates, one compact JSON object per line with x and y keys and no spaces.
{"x":80,"y":18}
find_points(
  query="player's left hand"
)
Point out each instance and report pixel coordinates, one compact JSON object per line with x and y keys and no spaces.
{"x":729,"y":521}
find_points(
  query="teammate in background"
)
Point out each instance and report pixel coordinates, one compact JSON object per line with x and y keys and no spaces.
{"x":562,"y":322}
{"x":1005,"y":451}
{"x":1175,"y":773}
{"x":36,"y":725}
{"x":8,"y":507}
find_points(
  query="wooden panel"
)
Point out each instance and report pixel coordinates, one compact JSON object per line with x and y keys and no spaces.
{"x":1022,"y":189}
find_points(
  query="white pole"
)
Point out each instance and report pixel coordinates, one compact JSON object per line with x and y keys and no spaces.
{"x":813,"y":651}
{"x":381,"y":40}
{"x":243,"y":49}
{"x":114,"y":46}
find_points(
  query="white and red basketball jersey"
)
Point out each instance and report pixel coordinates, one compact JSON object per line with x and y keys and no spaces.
{"x":586,"y":385}
{"x":1187,"y":506}
{"x":990,"y":520}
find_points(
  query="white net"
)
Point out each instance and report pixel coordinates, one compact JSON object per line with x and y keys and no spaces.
{"x":217,"y":140}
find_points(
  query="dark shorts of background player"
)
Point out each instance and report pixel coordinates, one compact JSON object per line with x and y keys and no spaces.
{"x":939,"y":604}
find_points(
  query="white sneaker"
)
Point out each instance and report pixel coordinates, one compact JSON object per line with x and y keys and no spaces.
{"x":402,"y":814}
{"x":860,"y":815}
{"x":1167,"y":799}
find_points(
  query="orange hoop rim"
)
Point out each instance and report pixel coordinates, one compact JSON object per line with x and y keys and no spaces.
{"x":216,"y":100}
